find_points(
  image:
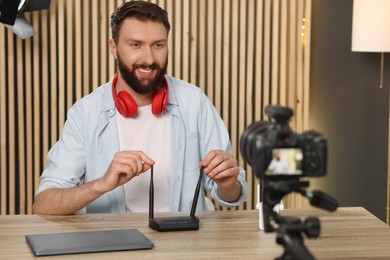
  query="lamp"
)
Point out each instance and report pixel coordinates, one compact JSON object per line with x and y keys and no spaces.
{"x":371,"y":33}
{"x":11,"y":15}
{"x":371,"y":27}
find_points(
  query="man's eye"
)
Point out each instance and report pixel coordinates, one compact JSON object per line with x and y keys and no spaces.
{"x":135,"y":45}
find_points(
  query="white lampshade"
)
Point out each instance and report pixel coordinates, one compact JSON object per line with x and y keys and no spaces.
{"x":371,"y":26}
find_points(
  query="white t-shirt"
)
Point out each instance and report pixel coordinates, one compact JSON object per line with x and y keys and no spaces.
{"x":150,"y":134}
{"x":278,"y":166}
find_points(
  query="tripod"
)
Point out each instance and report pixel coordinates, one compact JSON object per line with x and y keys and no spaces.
{"x":289,"y":229}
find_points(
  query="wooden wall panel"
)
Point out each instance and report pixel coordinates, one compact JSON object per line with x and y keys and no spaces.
{"x":245,"y":54}
{"x":3,"y":125}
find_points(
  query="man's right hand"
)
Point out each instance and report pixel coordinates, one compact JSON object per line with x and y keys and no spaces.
{"x":124,"y":166}
{"x":60,"y":201}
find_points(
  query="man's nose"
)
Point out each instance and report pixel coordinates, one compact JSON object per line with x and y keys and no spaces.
{"x":147,"y":55}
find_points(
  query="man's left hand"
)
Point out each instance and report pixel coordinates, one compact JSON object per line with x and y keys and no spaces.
{"x":222,"y":168}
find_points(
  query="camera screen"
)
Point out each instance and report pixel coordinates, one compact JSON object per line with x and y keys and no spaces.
{"x":285,"y":161}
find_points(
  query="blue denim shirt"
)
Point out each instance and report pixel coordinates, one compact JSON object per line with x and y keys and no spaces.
{"x":89,"y":140}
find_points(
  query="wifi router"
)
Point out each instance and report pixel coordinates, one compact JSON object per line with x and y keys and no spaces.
{"x":178,"y":223}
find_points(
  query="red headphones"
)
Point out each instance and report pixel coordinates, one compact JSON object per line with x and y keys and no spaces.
{"x":127,"y":106}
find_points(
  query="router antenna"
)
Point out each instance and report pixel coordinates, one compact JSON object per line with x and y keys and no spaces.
{"x":196,"y":195}
{"x":151,"y":195}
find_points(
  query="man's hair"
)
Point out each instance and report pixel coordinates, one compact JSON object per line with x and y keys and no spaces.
{"x":143,"y":11}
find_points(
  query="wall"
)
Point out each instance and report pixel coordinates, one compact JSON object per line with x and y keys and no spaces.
{"x":347,"y":106}
{"x":244,"y":54}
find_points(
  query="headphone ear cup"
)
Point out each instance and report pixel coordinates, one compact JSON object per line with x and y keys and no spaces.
{"x":159,"y":98}
{"x":125,"y":104}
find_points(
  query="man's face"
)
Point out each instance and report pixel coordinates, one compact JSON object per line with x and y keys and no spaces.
{"x":142,"y":54}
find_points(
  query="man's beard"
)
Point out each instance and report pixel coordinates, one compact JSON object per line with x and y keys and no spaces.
{"x":132,"y":81}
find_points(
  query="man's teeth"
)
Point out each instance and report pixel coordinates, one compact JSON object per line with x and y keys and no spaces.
{"x":145,"y":70}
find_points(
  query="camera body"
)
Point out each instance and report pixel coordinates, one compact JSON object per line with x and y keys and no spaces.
{"x":275,"y":152}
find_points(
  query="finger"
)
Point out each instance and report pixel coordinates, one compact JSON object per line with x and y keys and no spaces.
{"x":147,"y":160}
{"x":135,"y":163}
{"x":220,"y":168}
{"x":146,"y":167}
{"x":140,"y":166}
{"x":226,"y":173}
{"x":217,"y":160}
{"x":136,"y":159}
{"x":124,"y":166}
{"x":116,"y":175}
{"x":210,"y":157}
{"x":120,"y":162}
{"x":139,"y":155}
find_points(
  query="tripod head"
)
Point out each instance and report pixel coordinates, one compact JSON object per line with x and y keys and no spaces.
{"x":289,"y":230}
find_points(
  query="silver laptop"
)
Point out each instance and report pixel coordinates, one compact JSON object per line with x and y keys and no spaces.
{"x":88,"y":242}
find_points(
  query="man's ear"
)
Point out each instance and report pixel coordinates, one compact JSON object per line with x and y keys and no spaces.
{"x":113,"y":48}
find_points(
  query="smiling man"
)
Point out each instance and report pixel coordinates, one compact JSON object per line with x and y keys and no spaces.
{"x":141,"y":118}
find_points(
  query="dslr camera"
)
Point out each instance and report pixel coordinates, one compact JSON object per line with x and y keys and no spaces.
{"x":277,"y":153}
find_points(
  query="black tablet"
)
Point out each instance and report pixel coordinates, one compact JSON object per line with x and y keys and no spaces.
{"x":88,"y":242}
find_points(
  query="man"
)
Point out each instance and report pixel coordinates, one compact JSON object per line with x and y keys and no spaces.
{"x":142,"y":118}
{"x":278,"y":164}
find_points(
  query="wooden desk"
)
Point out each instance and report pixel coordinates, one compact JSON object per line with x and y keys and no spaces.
{"x":349,"y":233}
